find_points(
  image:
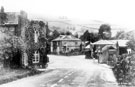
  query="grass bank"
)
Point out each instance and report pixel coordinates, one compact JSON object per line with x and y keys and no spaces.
{"x":8,"y":75}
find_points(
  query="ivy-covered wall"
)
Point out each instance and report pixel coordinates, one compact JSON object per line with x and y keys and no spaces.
{"x":40,"y":46}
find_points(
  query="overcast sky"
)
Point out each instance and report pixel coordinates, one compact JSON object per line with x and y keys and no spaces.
{"x":119,"y":12}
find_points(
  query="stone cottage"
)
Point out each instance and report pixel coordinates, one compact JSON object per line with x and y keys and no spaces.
{"x":12,"y":25}
{"x":31,"y":35}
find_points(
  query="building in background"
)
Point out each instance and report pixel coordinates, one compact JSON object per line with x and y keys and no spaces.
{"x":105,"y":49}
{"x":12,"y":22}
{"x":65,"y":44}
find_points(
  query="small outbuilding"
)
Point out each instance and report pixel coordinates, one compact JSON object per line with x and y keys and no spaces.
{"x":109,"y":50}
{"x":105,"y":49}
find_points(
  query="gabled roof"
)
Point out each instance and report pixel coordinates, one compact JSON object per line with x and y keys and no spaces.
{"x":121,"y":43}
{"x":12,"y":18}
{"x":103,"y":42}
{"x":66,"y":37}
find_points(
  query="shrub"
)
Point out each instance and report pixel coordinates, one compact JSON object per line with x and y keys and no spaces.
{"x":124,"y":70}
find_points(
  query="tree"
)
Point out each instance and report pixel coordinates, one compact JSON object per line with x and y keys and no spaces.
{"x":94,"y":37}
{"x":76,"y":35}
{"x":68,"y":33}
{"x":12,"y":47}
{"x":105,"y":31}
{"x":131,"y":44}
{"x":65,"y":33}
{"x":120,"y":35}
{"x":62,"y":33}
{"x":48,"y":32}
{"x":55,"y":34}
{"x":127,"y":36}
{"x":85,"y":36}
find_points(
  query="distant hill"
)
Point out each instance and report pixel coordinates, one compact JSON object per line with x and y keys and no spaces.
{"x":80,"y":27}
{"x":76,"y":25}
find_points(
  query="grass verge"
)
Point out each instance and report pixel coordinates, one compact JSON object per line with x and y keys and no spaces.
{"x":8,"y":75}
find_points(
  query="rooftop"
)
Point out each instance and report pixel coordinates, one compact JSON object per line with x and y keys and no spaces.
{"x":103,"y":42}
{"x":121,"y":43}
{"x":66,"y":37}
{"x":12,"y":18}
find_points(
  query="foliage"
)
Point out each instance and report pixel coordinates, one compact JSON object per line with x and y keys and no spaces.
{"x":94,"y":37}
{"x":105,"y":31}
{"x":131,"y":44}
{"x":54,"y":35}
{"x":62,"y":33}
{"x":127,"y":36}
{"x":68,"y":33}
{"x":48,"y":32}
{"x":9,"y":75}
{"x":10,"y":46}
{"x":120,"y":35}
{"x":41,"y":45}
{"x":76,"y":35}
{"x":91,"y":37}
{"x":85,"y":36}
{"x":124,"y":69}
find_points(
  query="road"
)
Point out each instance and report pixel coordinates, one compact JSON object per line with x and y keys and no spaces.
{"x":72,"y":71}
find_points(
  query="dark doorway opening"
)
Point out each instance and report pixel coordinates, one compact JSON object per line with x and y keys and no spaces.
{"x":16,"y":59}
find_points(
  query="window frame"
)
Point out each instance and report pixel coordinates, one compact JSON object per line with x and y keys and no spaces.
{"x":36,"y":57}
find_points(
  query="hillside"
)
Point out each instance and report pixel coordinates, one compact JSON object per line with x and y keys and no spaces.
{"x":76,"y":25}
{"x":79,"y":26}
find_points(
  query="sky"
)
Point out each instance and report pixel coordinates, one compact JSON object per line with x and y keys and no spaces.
{"x":119,"y":12}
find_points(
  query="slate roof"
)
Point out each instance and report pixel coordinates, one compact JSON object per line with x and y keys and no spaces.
{"x":103,"y":42}
{"x":12,"y":18}
{"x":66,"y":37}
{"x":121,"y":43}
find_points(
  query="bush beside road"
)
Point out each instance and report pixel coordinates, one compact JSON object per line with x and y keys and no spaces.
{"x":124,"y":70}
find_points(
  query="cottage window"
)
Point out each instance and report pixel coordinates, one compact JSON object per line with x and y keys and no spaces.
{"x":36,"y":35}
{"x":129,"y":50}
{"x":36,"y":57}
